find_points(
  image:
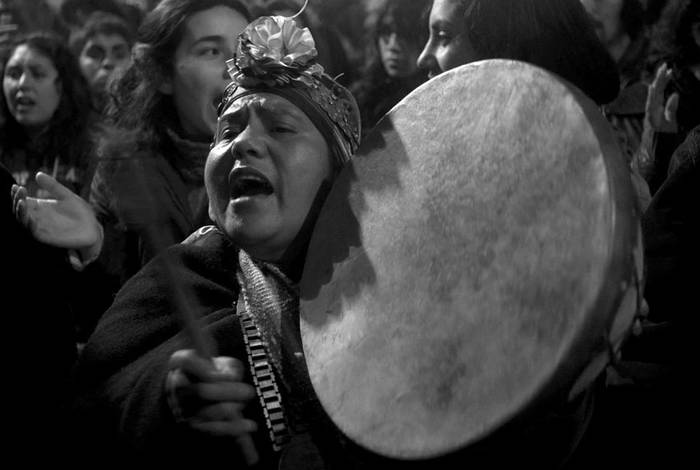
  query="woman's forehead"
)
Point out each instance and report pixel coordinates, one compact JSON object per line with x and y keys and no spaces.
{"x":30,"y":55}
{"x":448,"y":11}
{"x":219,"y":23}
{"x":268,"y":102}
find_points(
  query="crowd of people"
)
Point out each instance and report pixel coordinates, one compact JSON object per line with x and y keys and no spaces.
{"x":146,"y":171}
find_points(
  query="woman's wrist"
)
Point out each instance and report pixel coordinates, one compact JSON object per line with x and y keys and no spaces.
{"x":80,"y":258}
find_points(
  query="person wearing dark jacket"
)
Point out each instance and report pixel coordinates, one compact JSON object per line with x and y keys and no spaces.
{"x":142,"y":394}
{"x":39,"y":339}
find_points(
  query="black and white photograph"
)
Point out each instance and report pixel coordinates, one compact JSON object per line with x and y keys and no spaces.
{"x":350,"y":234}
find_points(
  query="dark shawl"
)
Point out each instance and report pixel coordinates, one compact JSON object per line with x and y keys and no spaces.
{"x":121,"y":407}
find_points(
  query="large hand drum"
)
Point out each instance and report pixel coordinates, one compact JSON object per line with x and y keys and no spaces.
{"x":470,"y":263}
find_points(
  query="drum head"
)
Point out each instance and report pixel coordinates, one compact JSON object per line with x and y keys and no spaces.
{"x":466,"y":261}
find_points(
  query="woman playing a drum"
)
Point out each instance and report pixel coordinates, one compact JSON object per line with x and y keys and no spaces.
{"x":285,"y":130}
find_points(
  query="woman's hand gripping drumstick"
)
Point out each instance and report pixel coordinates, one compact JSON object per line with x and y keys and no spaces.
{"x":208,"y":393}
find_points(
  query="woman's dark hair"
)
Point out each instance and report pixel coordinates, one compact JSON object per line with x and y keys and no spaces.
{"x":101,"y":23}
{"x":70,"y":121}
{"x":136,"y":103}
{"x":553,"y":34}
{"x":408,"y":19}
{"x":672,"y":39}
{"x":72,"y":11}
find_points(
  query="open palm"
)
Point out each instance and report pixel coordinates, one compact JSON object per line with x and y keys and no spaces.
{"x":62,"y":220}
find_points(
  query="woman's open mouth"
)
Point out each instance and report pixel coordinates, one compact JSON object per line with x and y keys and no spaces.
{"x":24,"y":101}
{"x":246,"y":182}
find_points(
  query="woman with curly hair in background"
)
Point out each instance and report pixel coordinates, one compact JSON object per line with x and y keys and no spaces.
{"x":148,"y":189}
{"x":47,"y":112}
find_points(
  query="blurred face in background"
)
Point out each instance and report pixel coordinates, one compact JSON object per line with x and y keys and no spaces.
{"x":448,"y":45}
{"x":606,"y":18}
{"x":102,"y":57}
{"x":199,"y":74}
{"x":398,"y":52}
{"x":31,"y":87}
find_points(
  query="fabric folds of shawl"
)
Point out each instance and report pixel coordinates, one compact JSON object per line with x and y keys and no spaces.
{"x":269,"y":296}
{"x":272,"y":300}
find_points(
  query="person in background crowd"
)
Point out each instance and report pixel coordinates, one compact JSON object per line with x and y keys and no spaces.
{"x":103,"y":48}
{"x":75,"y":13}
{"x":555,"y":35}
{"x":39,"y":330}
{"x":646,"y":409}
{"x":49,"y":127}
{"x":563,"y":42}
{"x":391,"y":71}
{"x":672,"y":230}
{"x":620,"y":26}
{"x":148,"y":189}
{"x":47,"y":109}
{"x":675,"y":55}
{"x":22,"y":17}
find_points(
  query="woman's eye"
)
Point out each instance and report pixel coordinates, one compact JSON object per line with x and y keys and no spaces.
{"x":226,"y":134}
{"x":13,"y":73}
{"x":210,"y":52}
{"x":282,"y":128}
{"x":443,"y":37}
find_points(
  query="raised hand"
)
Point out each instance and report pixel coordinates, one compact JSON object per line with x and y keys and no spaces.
{"x":660,"y":112}
{"x":63,"y":220}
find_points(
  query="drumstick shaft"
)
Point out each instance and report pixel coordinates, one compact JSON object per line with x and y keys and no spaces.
{"x":203,"y":344}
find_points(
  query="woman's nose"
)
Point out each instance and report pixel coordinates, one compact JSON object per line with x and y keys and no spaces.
{"x":250,"y":143}
{"x":392,"y":41}
{"x":426,"y":59}
{"x":24,"y":80}
{"x":108,"y":62}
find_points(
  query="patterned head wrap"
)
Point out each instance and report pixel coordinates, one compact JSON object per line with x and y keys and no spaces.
{"x":276,"y":56}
